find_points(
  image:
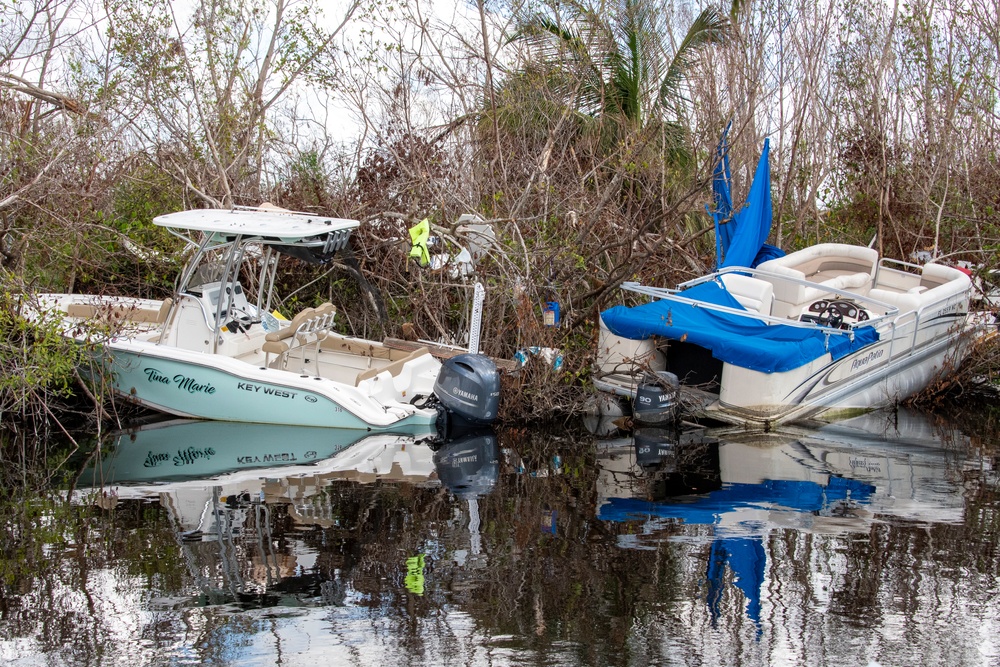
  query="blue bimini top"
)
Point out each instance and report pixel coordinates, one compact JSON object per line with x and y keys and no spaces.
{"x":741,"y":341}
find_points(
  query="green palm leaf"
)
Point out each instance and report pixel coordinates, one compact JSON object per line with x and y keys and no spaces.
{"x":620,"y":55}
{"x":710,"y":27}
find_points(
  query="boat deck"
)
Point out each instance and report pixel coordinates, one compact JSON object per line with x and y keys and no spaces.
{"x":345,"y":360}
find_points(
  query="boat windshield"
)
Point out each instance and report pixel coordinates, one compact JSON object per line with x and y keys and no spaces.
{"x":207,"y":272}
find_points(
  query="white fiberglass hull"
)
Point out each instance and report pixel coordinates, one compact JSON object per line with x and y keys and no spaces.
{"x":874,"y":377}
{"x":867,"y":380}
{"x":215,"y":351}
{"x":882,"y":334}
{"x":205,"y":386}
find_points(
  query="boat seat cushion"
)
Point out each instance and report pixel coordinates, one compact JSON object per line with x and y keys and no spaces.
{"x":937,"y":282}
{"x":849,"y":281}
{"x":837,"y":266}
{"x":827,"y":257}
{"x":120,"y":313}
{"x":752,"y":293}
{"x":936,"y":275}
{"x":277,"y":342}
{"x":285,"y":332}
{"x":903,"y":301}
{"x":300,"y":319}
{"x":361,"y":348}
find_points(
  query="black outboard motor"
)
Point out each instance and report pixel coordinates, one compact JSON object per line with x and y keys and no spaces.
{"x":656,"y":399}
{"x":468,"y":387}
{"x":469,"y":466}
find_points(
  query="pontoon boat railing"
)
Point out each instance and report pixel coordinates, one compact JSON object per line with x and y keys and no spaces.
{"x":891,"y":316}
{"x":890,"y":309}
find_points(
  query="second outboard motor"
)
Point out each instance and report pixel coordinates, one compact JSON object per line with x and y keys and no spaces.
{"x":468,"y":387}
{"x":656,"y":399}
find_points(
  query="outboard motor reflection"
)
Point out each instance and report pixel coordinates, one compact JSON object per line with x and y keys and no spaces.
{"x":676,"y":462}
{"x":654,"y":446}
{"x":469,"y":465}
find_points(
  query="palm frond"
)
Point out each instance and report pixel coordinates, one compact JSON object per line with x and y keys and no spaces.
{"x":711,"y":27}
{"x":543,"y":33}
{"x":618,"y":55}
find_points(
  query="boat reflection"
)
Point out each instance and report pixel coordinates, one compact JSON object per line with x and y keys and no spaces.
{"x":182,"y":449}
{"x":236,"y":493}
{"x":741,"y":486}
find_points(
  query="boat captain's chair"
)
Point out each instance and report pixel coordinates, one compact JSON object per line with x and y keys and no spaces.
{"x":310,"y":326}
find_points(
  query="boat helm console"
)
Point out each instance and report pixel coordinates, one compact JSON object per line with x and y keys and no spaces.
{"x":836,"y":313}
{"x":236,"y":311}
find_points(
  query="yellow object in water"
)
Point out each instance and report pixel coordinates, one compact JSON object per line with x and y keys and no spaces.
{"x":414,"y":580}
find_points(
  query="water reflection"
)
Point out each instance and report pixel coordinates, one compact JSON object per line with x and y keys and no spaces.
{"x":839,"y":478}
{"x":238,"y":495}
{"x":182,"y":450}
{"x":870,"y":541}
{"x":468,"y":466}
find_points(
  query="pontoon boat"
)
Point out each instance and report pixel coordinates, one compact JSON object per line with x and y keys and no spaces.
{"x":829,"y":328}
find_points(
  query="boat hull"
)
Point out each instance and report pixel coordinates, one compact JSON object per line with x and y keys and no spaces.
{"x":192,"y":384}
{"x":829,"y":328}
{"x":215,"y":351}
{"x":874,"y":377}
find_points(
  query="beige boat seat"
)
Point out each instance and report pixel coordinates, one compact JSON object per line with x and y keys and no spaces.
{"x":118,"y":313}
{"x":936,"y":282}
{"x":753,"y":293}
{"x":834,"y":267}
{"x":904,"y":301}
{"x":394,"y":368}
{"x":827,"y":260}
{"x":937,"y":275}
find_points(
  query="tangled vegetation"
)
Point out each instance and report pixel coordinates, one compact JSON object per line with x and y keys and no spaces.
{"x":579,"y":138}
{"x":37,"y":363}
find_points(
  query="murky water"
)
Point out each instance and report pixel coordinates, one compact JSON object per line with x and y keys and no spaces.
{"x":868,"y":542}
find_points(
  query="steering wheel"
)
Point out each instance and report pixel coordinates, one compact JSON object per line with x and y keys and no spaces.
{"x":831,"y":316}
{"x":242,"y":315}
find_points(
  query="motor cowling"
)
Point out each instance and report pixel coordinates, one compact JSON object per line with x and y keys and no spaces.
{"x":656,"y":399}
{"x":468,"y":387}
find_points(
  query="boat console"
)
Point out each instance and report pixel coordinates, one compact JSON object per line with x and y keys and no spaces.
{"x":836,"y":313}
{"x":236,"y":313}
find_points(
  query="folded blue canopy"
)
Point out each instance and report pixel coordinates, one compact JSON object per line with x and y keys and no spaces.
{"x":740,"y":238}
{"x":737,"y":340}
